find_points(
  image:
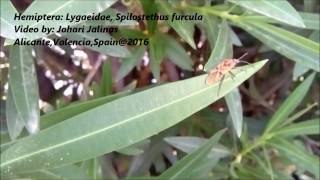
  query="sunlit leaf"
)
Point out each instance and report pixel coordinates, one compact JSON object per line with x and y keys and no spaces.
{"x":24,"y":86}
{"x":14,"y":120}
{"x":130,"y":119}
{"x":7,"y":11}
{"x":234,"y":104}
{"x":222,"y":48}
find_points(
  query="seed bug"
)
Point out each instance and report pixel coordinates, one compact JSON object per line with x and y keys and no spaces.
{"x":219,"y":72}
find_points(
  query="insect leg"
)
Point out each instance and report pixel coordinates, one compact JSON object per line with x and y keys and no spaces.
{"x":220,"y":84}
{"x":232,"y":75}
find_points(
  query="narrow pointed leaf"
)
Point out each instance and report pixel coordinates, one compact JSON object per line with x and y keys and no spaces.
{"x":190,"y":144}
{"x":297,"y":155}
{"x":234,"y":37}
{"x":130,"y":62}
{"x":222,"y":48}
{"x":7,"y":11}
{"x":290,"y":104}
{"x":234,"y":104}
{"x":311,"y":20}
{"x":191,"y":161}
{"x":24,"y":86}
{"x":290,"y":45}
{"x":72,"y":110}
{"x":66,"y":172}
{"x":62,"y":114}
{"x":299,"y":70}
{"x":176,"y":53}
{"x":156,"y":54}
{"x":185,"y":30}
{"x":210,"y":26}
{"x":150,"y":8}
{"x":280,"y":10}
{"x":309,"y":127}
{"x":106,"y":84}
{"x":130,"y":119}
{"x":14,"y":120}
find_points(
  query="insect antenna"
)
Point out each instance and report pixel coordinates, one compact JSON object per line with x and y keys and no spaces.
{"x":241,"y":57}
{"x":244,"y":62}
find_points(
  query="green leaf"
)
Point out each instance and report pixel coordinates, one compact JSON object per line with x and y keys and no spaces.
{"x":297,"y":155}
{"x":191,"y":161}
{"x":299,"y":70}
{"x":72,"y":110}
{"x":234,"y":37}
{"x":156,"y":54}
{"x":290,"y":45}
{"x":222,"y":48}
{"x":14,"y":120}
{"x":290,"y":104}
{"x":66,"y":172}
{"x":176,"y":53}
{"x":308,"y":127}
{"x":234,"y":104}
{"x":93,"y":168}
{"x":60,"y":115}
{"x":62,"y":7}
{"x":190,"y":144}
{"x":127,"y":64}
{"x":298,"y":114}
{"x":112,"y":50}
{"x":106,"y":81}
{"x":132,"y":33}
{"x":7,"y":23}
{"x":150,"y":8}
{"x":315,"y":36}
{"x":184,"y":29}
{"x":210,"y":26}
{"x":311,"y":20}
{"x":141,"y":115}
{"x":24,"y":86}
{"x":280,"y":10}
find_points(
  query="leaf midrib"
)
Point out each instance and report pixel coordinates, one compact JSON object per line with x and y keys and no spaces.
{"x":101,"y":130}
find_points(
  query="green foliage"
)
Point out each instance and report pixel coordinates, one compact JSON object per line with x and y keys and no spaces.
{"x":164,"y":127}
{"x":23,"y":90}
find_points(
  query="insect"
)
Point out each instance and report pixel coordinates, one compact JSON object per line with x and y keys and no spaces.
{"x":219,"y":72}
